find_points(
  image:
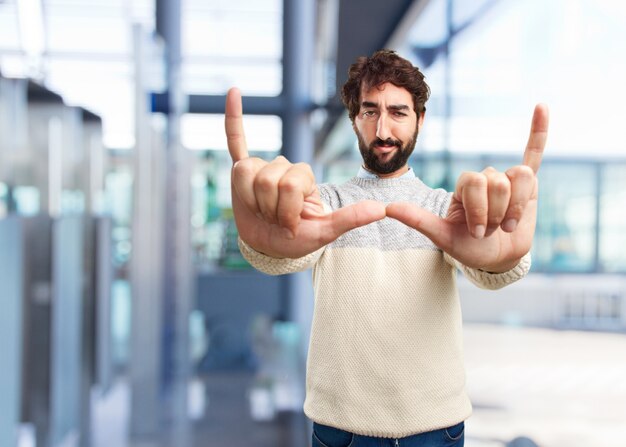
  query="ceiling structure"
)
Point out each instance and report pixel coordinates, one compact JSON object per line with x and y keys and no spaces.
{"x":73,"y":65}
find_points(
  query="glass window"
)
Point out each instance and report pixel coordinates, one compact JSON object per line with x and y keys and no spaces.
{"x":27,"y":200}
{"x":119,"y":198}
{"x":566,"y":224}
{"x":9,"y":32}
{"x":613,"y":219}
{"x":500,"y":67}
{"x":565,"y":239}
{"x":431,"y":29}
{"x":341,"y":171}
{"x":431,"y":170}
{"x":4,"y":205}
{"x":232,"y":43}
{"x":76,"y":33}
{"x":104,"y":88}
{"x":88,"y":57}
{"x":253,"y":77}
{"x":206,"y":131}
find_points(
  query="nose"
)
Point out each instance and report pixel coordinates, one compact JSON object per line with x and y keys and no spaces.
{"x":382,"y":128}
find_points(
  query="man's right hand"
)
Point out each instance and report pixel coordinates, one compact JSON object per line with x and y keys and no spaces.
{"x":277,"y":206}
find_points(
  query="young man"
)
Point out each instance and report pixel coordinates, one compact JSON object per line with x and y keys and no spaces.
{"x":385,"y":362}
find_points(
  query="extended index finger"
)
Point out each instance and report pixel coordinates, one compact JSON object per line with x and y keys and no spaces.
{"x":537,"y":138}
{"x":233,"y":122}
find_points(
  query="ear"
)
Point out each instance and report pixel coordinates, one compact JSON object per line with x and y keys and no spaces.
{"x":420,"y":121}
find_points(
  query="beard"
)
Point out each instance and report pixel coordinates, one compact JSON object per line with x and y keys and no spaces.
{"x":374,"y":163}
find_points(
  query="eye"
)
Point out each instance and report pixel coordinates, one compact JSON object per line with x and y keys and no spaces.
{"x":400,"y":114}
{"x":369,"y":113}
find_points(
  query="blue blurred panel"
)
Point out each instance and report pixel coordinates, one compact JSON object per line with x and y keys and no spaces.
{"x":230,"y":302}
{"x":612,"y":237}
{"x":11,"y":290}
{"x":66,"y":326}
{"x":105,"y":366}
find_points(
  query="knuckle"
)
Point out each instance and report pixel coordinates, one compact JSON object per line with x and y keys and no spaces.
{"x":243,"y":168}
{"x":520,"y":172}
{"x":477,"y":181}
{"x":465,"y":174}
{"x":303,"y":166}
{"x":248,"y":167}
{"x":500,"y":185}
{"x":280,"y":159}
{"x":489,"y":170}
{"x":474,"y":179}
{"x":288,"y":184}
{"x":264,"y":183}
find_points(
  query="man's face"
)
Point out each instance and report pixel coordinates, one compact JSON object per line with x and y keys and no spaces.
{"x":387,"y":127}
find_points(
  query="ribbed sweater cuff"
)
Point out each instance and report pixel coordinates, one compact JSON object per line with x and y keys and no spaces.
{"x":277,"y":266}
{"x":493,"y":281}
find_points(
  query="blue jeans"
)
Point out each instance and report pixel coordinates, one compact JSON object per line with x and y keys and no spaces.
{"x":325,"y":436}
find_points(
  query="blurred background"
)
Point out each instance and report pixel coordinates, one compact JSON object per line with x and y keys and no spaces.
{"x":129,"y":317}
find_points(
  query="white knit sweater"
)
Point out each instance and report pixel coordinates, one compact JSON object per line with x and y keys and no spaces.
{"x":386,"y":356}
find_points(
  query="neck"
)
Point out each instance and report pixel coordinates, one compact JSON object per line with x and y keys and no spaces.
{"x":398,"y":173}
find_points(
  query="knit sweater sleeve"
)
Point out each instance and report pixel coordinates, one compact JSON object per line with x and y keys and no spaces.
{"x":278,"y":266}
{"x":493,"y":281}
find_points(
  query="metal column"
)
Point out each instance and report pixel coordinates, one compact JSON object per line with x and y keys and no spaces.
{"x":11,"y":345}
{"x":298,"y":50}
{"x":145,"y":361}
{"x":298,"y":56}
{"x":178,"y":269}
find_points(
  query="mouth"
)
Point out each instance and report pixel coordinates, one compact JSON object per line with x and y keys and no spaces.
{"x":385,"y":149}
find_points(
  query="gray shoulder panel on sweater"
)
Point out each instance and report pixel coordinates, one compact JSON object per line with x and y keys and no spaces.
{"x":387,"y":234}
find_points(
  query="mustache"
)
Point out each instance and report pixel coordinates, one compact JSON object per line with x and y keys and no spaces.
{"x":387,"y":142}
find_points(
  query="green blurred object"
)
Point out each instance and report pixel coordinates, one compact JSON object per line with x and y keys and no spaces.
{"x":213,"y":211}
{"x":231,"y":257}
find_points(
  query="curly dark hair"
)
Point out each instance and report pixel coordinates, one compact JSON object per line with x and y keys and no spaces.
{"x":383,"y":66}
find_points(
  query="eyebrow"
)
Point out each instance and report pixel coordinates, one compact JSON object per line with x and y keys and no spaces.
{"x":374,"y":105}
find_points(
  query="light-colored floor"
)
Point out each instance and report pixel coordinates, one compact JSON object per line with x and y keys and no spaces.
{"x":558,"y":388}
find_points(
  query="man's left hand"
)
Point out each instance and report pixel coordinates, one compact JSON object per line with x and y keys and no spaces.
{"x":491,"y":221}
